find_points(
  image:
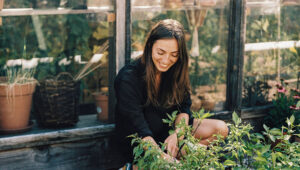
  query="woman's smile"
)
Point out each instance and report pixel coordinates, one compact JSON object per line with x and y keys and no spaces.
{"x":165,"y":54}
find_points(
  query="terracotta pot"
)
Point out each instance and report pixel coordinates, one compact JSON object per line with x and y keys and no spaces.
{"x":101,"y":101}
{"x":173,"y":3}
{"x":188,"y":2}
{"x":206,"y":3}
{"x":196,"y":103}
{"x":208,"y":105}
{"x":1,"y":7}
{"x":15,"y":102}
{"x":1,"y":4}
{"x":290,"y":2}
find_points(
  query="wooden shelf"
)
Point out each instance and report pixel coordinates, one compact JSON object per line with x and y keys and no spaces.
{"x":88,"y":127}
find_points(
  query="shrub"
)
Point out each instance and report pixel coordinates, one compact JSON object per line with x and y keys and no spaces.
{"x":240,"y":150}
{"x":286,"y":103}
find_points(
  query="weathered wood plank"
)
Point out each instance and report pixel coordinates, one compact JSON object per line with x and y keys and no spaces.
{"x":255,"y":112}
{"x":87,"y":154}
{"x":88,"y":128}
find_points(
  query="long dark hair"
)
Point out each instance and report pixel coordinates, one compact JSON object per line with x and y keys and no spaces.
{"x":174,"y":84}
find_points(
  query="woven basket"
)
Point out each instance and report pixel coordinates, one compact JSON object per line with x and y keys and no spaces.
{"x":57,"y":101}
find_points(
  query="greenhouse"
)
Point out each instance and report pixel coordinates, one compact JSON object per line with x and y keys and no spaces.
{"x":59,"y":96}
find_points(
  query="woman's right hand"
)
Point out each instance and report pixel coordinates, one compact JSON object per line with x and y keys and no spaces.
{"x":169,"y":158}
{"x":165,"y":156}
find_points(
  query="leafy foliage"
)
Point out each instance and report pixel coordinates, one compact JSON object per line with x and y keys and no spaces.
{"x":284,"y":106}
{"x":58,"y":43}
{"x":240,"y":150}
{"x":19,"y":76}
{"x":255,"y":92}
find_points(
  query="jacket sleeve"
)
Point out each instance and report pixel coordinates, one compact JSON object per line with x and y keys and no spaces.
{"x":185,"y":106}
{"x":129,"y":104}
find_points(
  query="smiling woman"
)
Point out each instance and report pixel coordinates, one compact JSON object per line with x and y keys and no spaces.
{"x":155,"y":84}
{"x":165,"y":54}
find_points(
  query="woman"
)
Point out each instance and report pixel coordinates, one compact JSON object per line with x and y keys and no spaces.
{"x":157,"y":84}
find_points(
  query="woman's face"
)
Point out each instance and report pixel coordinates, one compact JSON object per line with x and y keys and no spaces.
{"x":165,"y":54}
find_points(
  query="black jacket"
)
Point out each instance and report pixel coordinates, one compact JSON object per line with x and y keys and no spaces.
{"x":132,"y":116}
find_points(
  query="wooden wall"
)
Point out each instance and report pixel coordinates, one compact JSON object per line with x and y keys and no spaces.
{"x":86,"y":155}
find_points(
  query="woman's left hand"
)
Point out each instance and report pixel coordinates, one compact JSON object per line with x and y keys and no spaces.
{"x":171,"y":144}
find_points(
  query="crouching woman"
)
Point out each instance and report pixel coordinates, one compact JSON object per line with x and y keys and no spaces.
{"x":155,"y":84}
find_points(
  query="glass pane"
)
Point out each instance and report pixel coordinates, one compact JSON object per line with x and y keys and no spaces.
{"x":272,"y":48}
{"x":205,"y":22}
{"x":60,"y":36}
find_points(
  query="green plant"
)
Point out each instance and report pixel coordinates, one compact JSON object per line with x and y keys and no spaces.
{"x":240,"y":150}
{"x":281,"y":106}
{"x":255,"y":92}
{"x":19,"y":76}
{"x":295,"y":93}
{"x":15,"y":77}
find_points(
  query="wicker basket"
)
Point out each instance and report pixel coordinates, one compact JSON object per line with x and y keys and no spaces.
{"x":57,"y":101}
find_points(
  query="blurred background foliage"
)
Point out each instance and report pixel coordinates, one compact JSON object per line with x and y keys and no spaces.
{"x":266,"y":67}
{"x":70,"y":40}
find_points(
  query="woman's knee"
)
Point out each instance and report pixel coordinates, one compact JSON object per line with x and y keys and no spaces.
{"x":221,"y":128}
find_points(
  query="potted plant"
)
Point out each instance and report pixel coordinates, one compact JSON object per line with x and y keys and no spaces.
{"x":16,"y":91}
{"x":100,"y":95}
{"x":285,"y":104}
{"x":281,"y":106}
{"x":101,"y":102}
{"x":295,"y":93}
{"x":1,"y":7}
{"x":173,"y":3}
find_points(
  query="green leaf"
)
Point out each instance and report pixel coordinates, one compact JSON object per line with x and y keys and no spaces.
{"x":272,"y":138}
{"x":260,"y":136}
{"x":171,"y":132}
{"x":201,"y":111}
{"x":287,"y":137}
{"x":273,"y":158}
{"x":235,"y":118}
{"x":279,"y":154}
{"x":260,"y":159}
{"x":165,"y":121}
{"x":275,"y":131}
{"x":292,"y":119}
{"x":229,"y":163}
{"x":206,"y":115}
{"x":138,"y":152}
{"x":235,"y":154}
{"x":298,"y":104}
{"x":265,"y":26}
{"x":261,"y":169}
{"x":266,"y":128}
{"x":265,"y":149}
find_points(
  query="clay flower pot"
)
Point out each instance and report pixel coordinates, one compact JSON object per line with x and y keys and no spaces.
{"x":208,"y":105}
{"x":206,"y":3}
{"x":173,"y":4}
{"x":15,"y":102}
{"x":196,"y":104}
{"x":101,"y":101}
